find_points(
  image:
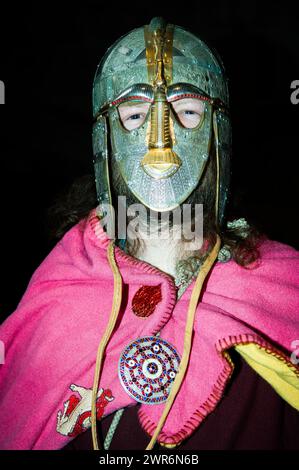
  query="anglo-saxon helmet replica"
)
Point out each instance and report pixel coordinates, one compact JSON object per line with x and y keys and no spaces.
{"x":162,"y":161}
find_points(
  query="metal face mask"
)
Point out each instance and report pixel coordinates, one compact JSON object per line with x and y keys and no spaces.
{"x":156,"y":69}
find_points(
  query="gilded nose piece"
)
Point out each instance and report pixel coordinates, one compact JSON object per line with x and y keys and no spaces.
{"x":160,"y":161}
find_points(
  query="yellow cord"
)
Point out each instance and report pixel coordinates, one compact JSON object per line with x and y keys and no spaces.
{"x":187,"y":339}
{"x":101,"y":349}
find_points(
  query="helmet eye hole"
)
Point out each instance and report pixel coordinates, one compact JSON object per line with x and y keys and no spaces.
{"x":133,"y":114}
{"x":189,"y":112}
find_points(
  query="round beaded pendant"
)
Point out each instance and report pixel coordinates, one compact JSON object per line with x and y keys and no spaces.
{"x":147,"y":369}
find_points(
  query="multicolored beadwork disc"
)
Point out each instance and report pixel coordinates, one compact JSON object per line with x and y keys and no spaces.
{"x":147,"y":369}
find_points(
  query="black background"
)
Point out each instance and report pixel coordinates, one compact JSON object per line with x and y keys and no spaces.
{"x":48,"y":56}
